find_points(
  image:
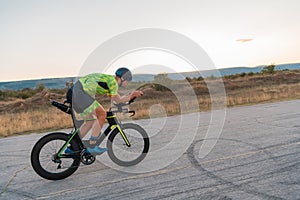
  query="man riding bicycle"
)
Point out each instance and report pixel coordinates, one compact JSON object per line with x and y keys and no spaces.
{"x":83,"y":102}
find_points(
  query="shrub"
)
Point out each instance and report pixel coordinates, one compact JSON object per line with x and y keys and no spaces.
{"x":269,"y":69}
{"x":200,"y":78}
{"x":39,"y":88}
{"x":161,"y":81}
{"x":243,"y":74}
{"x":188,"y":79}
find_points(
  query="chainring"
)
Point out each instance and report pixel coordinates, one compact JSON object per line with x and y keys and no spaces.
{"x":87,"y":158}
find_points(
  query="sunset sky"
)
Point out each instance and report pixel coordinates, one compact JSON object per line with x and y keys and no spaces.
{"x":53,"y":38}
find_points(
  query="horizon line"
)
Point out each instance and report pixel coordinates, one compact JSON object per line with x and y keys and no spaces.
{"x":76,"y":76}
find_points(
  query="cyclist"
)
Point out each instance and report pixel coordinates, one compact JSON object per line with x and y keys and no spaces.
{"x":84,"y":103}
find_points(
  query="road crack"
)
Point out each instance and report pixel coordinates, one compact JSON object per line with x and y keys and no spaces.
{"x":12,"y":178}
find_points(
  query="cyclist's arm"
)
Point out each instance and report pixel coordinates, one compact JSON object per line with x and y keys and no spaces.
{"x":118,"y":99}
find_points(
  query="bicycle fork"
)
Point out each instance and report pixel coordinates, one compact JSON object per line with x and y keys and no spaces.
{"x":114,"y":124}
{"x":122,"y":134}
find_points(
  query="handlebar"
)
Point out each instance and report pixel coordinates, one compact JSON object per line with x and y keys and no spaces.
{"x":120,"y":108}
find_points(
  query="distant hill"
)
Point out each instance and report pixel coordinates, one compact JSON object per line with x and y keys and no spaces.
{"x":59,"y":83}
{"x":231,"y":71}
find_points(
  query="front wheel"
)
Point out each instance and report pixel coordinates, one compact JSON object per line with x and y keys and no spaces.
{"x":123,"y":155}
{"x":47,"y":164}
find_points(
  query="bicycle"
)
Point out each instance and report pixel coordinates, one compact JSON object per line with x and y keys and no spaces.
{"x":127,"y":145}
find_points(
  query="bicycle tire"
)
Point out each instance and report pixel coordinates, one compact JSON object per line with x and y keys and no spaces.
{"x":131,"y":131}
{"x":42,"y":146}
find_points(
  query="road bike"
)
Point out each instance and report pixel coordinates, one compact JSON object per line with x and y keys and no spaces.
{"x":128,"y":144}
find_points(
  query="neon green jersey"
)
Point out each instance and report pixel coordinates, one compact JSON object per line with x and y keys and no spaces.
{"x":98,"y":83}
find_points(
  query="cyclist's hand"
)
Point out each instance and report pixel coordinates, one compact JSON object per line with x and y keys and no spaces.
{"x":137,"y":93}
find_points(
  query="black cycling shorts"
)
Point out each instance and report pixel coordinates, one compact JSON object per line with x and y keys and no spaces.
{"x":79,"y":99}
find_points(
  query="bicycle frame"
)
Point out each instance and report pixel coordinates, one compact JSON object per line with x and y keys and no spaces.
{"x":113,"y":124}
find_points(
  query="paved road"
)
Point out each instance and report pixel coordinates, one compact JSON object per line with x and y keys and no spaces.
{"x":256,"y":157}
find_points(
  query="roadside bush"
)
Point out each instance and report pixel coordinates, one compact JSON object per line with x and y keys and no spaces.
{"x":269,"y":69}
{"x":161,"y":81}
{"x":250,"y":74}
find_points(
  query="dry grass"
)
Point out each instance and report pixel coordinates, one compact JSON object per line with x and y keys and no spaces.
{"x":263,"y":94}
{"x":240,"y":91}
{"x":34,"y":120}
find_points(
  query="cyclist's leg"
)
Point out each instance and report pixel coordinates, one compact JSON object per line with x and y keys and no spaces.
{"x":96,"y":121}
{"x":96,"y":127}
{"x":87,"y":125}
{"x":98,"y":124}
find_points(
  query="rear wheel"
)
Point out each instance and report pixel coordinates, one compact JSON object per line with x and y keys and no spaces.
{"x":123,"y":155}
{"x":45,"y":161}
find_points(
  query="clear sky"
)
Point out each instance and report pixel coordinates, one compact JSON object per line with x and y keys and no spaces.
{"x":52,"y":38}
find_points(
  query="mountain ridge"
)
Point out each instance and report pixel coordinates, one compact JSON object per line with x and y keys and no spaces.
{"x":59,"y":83}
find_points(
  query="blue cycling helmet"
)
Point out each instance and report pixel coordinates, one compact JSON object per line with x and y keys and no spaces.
{"x":124,"y":73}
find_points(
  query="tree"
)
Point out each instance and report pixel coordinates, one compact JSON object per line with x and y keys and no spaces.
{"x":162,"y":78}
{"x":269,"y":69}
{"x":40,"y":87}
{"x":161,"y":82}
{"x":188,"y":79}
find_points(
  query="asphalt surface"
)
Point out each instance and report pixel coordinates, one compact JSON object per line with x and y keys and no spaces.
{"x":257,"y":156}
